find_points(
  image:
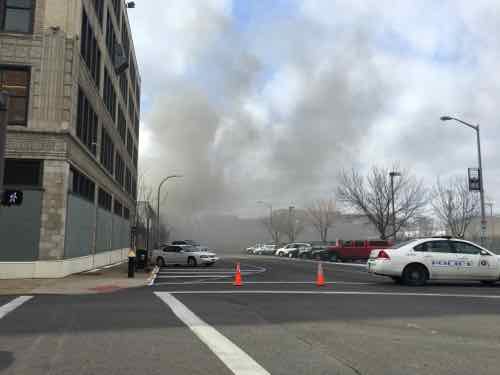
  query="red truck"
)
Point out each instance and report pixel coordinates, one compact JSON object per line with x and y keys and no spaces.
{"x":348,"y":251}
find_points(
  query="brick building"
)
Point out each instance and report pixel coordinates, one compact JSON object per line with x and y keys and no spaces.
{"x":73,"y":130}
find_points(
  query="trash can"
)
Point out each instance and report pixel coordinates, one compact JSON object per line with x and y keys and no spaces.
{"x":141,"y":259}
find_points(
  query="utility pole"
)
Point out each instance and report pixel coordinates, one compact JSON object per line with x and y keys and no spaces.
{"x":271,"y":228}
{"x":4,"y":106}
{"x":158,"y":207}
{"x":392,"y":175}
{"x":480,"y":164}
{"x":291,"y":224}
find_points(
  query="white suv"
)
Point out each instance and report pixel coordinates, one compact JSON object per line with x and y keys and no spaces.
{"x":417,"y":261}
{"x":293,"y":250}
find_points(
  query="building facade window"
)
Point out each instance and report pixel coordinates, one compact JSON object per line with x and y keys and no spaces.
{"x":23,"y":172}
{"x":124,"y":87}
{"x":122,"y":125}
{"x":89,"y":49}
{"x":16,"y":81}
{"x":119,"y":169}
{"x":104,"y":199}
{"x":107,"y":151}
{"x":134,"y":188}
{"x":131,"y":107}
{"x":111,"y":41}
{"x":135,"y":157}
{"x":82,"y":185}
{"x":133,"y":73}
{"x":136,"y":125}
{"x":125,"y":38}
{"x":128,"y":181}
{"x":17,"y":15}
{"x":99,"y":10}
{"x":118,"y":208}
{"x":126,"y":213}
{"x":109,"y":95}
{"x":86,"y":123}
{"x":130,"y":144}
{"x":117,"y":10}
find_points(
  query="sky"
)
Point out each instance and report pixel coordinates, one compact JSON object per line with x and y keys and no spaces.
{"x":268,"y":100}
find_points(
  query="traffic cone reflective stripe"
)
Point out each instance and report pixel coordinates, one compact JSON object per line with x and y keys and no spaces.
{"x":320,"y":278}
{"x":237,"y":277}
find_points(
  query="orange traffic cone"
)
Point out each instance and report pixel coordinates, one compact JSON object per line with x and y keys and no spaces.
{"x":320,"y":278}
{"x":237,"y":277}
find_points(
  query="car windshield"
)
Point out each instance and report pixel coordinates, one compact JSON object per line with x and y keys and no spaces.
{"x":190,"y":248}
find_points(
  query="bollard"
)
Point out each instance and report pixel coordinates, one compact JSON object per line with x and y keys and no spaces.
{"x":131,"y":263}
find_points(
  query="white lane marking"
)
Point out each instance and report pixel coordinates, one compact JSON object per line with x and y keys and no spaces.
{"x":94,"y":270}
{"x":190,"y":276}
{"x":12,"y":305}
{"x":484,"y":296}
{"x":114,"y":264}
{"x":266,"y":282}
{"x":174,"y":269}
{"x":236,"y":360}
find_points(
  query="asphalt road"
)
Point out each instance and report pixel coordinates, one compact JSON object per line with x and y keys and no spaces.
{"x":194,"y":321}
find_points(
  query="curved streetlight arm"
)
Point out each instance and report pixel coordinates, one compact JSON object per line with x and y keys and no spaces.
{"x":448,"y":118}
{"x":158,"y":206}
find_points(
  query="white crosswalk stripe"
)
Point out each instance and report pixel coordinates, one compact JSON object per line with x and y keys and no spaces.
{"x":12,"y":305}
{"x":201,"y":273}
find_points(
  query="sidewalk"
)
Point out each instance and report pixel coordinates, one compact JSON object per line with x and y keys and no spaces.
{"x":101,"y":281}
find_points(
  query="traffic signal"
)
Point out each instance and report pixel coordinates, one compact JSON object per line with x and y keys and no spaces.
{"x":12,"y":198}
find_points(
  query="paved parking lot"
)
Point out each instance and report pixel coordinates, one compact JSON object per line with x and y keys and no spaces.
{"x":194,"y":321}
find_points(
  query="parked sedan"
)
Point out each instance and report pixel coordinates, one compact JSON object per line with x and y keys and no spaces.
{"x":417,"y":261}
{"x":183,"y":255}
{"x":265,"y":250}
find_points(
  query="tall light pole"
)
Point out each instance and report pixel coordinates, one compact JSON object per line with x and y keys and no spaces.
{"x":291,"y":227}
{"x":158,"y":207}
{"x":392,"y":175}
{"x":270,"y":206}
{"x":481,"y":184}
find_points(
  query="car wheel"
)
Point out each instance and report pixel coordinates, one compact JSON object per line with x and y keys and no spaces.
{"x":160,"y":262}
{"x":488,"y":282}
{"x":192,"y":262}
{"x":334,"y":257}
{"x":415,"y":275}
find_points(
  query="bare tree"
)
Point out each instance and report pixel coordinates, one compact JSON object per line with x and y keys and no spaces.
{"x":295,"y":223}
{"x":454,"y":205}
{"x":372,"y":196}
{"x":273,"y":226}
{"x":285,"y":223}
{"x":321,"y":215}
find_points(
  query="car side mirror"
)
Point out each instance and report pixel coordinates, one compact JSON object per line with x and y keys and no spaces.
{"x":484,"y":253}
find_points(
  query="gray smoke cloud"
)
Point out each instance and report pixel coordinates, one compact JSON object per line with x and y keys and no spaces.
{"x":273,"y":110}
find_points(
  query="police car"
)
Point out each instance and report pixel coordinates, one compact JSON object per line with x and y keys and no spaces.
{"x":416,"y":261}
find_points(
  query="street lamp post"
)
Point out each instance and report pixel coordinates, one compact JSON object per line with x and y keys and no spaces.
{"x":481,"y":184}
{"x":392,"y":175}
{"x":270,"y":206}
{"x":158,"y":207}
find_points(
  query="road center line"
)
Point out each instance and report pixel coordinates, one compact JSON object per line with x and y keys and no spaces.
{"x":229,"y":353}
{"x":397,"y":294}
{"x":12,"y":305}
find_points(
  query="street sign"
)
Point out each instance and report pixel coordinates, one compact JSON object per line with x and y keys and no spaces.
{"x":12,"y":198}
{"x":474,"y":179}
